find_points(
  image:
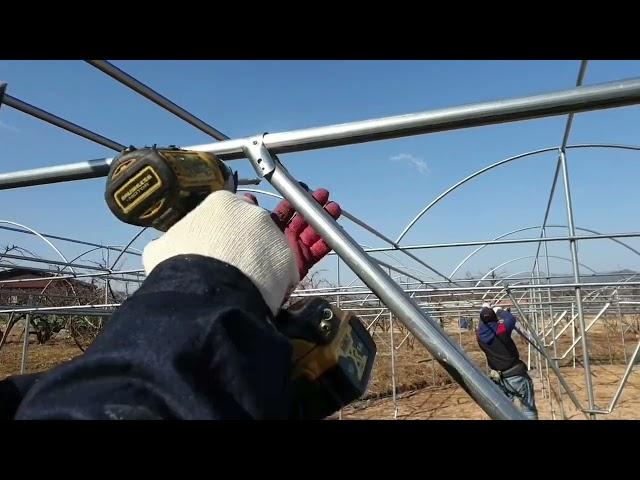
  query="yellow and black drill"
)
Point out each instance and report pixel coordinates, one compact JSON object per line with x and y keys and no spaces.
{"x":156,"y":187}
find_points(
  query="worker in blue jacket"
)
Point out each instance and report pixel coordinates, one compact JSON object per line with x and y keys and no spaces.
{"x":507,"y":370}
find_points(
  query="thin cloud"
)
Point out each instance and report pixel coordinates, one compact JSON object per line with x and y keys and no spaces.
{"x":418,"y":163}
{"x":6,"y":126}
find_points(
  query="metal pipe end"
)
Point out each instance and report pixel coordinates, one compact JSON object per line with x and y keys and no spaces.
{"x":3,"y":87}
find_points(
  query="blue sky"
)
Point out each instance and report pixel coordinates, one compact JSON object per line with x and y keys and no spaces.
{"x":384,"y":183}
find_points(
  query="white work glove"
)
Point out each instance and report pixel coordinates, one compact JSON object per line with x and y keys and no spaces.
{"x":228,"y":228}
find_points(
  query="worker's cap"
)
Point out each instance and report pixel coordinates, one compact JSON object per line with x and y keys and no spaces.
{"x":497,"y":309}
{"x":488,"y":315}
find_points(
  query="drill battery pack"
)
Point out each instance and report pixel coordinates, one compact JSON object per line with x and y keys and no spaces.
{"x":333,"y":356}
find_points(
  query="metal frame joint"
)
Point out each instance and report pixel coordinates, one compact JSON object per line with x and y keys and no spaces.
{"x":263,"y":161}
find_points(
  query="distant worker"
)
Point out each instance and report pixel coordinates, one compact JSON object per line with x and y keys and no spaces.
{"x":507,"y":370}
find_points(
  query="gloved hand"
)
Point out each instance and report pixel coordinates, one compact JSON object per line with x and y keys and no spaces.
{"x":214,"y":229}
{"x":227,"y":228}
{"x":305,"y":242}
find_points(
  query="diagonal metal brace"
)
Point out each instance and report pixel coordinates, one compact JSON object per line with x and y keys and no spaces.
{"x":453,"y":359}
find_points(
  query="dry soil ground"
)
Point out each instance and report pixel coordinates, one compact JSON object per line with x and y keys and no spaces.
{"x":425,"y":391}
{"x":40,"y":357}
{"x":450,"y":402}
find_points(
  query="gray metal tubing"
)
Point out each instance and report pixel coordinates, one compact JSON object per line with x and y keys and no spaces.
{"x":448,"y":191}
{"x":594,"y":97}
{"x":625,"y":377}
{"x":543,"y":351}
{"x":553,"y":324}
{"x":155,"y":97}
{"x":55,"y":309}
{"x":69,"y":172}
{"x":623,"y":381}
{"x":25,"y":343}
{"x":471,"y":289}
{"x":396,"y":247}
{"x":66,"y":239}
{"x":587,"y":328}
{"x":60,"y":122}
{"x":494,"y":165}
{"x":532,"y":228}
{"x":546,"y":212}
{"x":109,"y":275}
{"x":567,"y":128}
{"x":474,"y":280}
{"x":450,"y":356}
{"x":124,"y":249}
{"x":375,"y":232}
{"x":603,"y":236}
{"x":484,"y":277}
{"x":397,"y":270}
{"x":576,"y":277}
{"x":563,"y":146}
{"x":53,"y":262}
{"x":55,"y":274}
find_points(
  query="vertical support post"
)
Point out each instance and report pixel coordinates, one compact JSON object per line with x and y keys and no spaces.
{"x":576,"y":278}
{"x":338,"y":281}
{"x":8,"y":328}
{"x":624,"y":347}
{"x":534,"y":313}
{"x":338,"y":304}
{"x":106,"y":282}
{"x":393,"y":368}
{"x":529,"y":357}
{"x":573,"y":333}
{"x":433,"y":371}
{"x":553,"y":323}
{"x":25,"y":344}
{"x":25,"y":339}
{"x":546,"y":362}
{"x":606,"y":329}
{"x":453,"y":359}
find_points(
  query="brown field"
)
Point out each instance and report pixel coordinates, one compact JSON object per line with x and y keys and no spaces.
{"x":450,"y":402}
{"x":425,"y":391}
{"x":39,"y":358}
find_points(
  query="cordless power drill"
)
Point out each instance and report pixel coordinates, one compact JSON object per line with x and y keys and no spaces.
{"x":333,"y":352}
{"x":156,"y":187}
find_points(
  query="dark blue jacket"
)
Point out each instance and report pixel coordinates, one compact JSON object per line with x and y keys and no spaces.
{"x":487,"y":332}
{"x":194,"y":342}
{"x":494,"y":338}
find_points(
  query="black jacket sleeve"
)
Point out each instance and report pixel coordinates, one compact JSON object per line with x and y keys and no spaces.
{"x":13,"y":389}
{"x":194,"y":342}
